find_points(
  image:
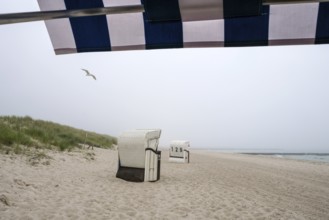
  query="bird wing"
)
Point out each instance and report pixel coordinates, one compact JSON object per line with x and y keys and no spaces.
{"x":89,"y":74}
{"x":86,"y":71}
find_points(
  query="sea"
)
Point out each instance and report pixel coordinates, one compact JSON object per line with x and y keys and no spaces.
{"x":320,"y":157}
{"x":309,"y":156}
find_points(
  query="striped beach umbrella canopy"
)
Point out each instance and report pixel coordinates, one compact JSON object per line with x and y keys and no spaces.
{"x":76,"y":26}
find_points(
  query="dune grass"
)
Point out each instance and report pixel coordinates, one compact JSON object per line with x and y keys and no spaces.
{"x":16,"y":132}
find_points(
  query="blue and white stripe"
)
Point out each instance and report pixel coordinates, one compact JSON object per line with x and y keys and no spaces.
{"x":185,"y":23}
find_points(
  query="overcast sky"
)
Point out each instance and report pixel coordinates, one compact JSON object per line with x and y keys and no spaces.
{"x":249,"y":98}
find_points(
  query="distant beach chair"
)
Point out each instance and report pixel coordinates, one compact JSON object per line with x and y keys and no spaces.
{"x":179,"y":152}
{"x":139,"y":158}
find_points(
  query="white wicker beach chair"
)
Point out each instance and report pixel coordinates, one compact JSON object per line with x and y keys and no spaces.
{"x":178,"y":151}
{"x":139,"y":158}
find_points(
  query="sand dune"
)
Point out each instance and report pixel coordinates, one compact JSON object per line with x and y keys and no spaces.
{"x":213,"y":186}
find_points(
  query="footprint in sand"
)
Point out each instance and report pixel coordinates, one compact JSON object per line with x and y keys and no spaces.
{"x":4,"y":200}
{"x":20,"y":182}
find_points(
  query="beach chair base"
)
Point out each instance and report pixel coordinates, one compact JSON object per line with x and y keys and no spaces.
{"x":131,"y":174}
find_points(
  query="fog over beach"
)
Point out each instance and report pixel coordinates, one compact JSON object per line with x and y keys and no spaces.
{"x":247,"y":97}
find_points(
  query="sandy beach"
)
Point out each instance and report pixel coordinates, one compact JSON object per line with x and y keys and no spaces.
{"x":82,"y":185}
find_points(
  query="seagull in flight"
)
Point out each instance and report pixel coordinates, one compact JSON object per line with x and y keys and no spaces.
{"x":89,"y":74}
